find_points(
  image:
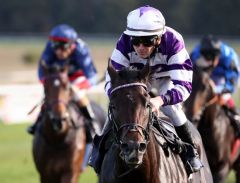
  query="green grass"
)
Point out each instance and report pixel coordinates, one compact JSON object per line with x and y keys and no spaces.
{"x":16,"y":164}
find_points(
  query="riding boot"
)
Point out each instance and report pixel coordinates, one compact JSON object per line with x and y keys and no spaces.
{"x":31,"y":129}
{"x":98,"y":151}
{"x":191,"y":158}
{"x":92,"y":128}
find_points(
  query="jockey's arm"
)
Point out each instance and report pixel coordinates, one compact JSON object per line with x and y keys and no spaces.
{"x":93,"y":80}
{"x":156,"y":102}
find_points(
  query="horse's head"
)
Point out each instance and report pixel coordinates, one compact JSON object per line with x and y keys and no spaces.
{"x":57,"y":95}
{"x":202,"y":94}
{"x":130,"y":112}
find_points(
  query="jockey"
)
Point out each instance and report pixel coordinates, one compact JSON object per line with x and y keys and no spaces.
{"x":147,"y":37}
{"x":63,"y":47}
{"x":222,"y":63}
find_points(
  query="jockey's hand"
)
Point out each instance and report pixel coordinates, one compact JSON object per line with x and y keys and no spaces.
{"x":221,"y":100}
{"x":156,"y":102}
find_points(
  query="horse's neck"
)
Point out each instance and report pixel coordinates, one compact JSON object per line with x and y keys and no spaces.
{"x":152,"y":156}
{"x":215,"y":124}
{"x":209,"y":115}
{"x":218,"y":134}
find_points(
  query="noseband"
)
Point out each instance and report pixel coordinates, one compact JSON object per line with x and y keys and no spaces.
{"x":51,"y":114}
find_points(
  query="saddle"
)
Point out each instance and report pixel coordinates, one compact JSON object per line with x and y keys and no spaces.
{"x":163,"y":128}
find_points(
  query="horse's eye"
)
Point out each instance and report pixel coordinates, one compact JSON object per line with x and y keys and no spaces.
{"x":124,"y":147}
{"x":112,"y":106}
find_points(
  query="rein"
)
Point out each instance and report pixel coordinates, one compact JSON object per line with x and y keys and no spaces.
{"x":131,"y":126}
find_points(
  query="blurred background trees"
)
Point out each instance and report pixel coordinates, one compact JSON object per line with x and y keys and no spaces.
{"x":191,"y":17}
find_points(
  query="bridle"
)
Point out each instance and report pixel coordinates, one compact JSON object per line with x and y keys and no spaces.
{"x":49,"y":105}
{"x":131,"y":127}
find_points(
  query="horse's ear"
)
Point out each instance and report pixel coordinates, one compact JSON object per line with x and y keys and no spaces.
{"x":145,"y":72}
{"x":111,"y":71}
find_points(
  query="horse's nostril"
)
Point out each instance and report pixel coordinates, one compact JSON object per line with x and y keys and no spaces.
{"x":142,"y":147}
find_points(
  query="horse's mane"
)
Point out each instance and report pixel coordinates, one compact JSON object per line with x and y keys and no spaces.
{"x":129,"y":73}
{"x":133,"y":74}
{"x":200,"y":78}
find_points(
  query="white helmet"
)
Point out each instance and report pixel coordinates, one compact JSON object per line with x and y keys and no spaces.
{"x":145,"y":21}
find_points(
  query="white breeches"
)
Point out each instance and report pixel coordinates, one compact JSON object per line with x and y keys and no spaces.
{"x":78,"y":94}
{"x":174,"y":112}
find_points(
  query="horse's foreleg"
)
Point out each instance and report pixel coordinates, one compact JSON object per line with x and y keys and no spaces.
{"x":47,"y":179}
{"x":238,"y":176}
{"x":221,"y":175}
{"x":66,"y":177}
{"x":69,"y":178}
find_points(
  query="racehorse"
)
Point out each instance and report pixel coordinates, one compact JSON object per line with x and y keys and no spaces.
{"x":214,"y":126}
{"x":137,"y":153}
{"x":60,"y":139}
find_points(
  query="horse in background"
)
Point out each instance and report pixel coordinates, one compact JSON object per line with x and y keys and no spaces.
{"x":214,"y":126}
{"x":60,"y":138}
{"x":137,"y":151}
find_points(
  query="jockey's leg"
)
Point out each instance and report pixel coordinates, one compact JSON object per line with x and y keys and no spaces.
{"x":228,"y":103}
{"x":86,"y":109}
{"x":235,"y":121}
{"x":179,"y":120}
{"x":97,"y":155}
{"x":185,"y":134}
{"x":91,"y":126}
{"x":32,"y":128}
{"x":81,"y":99}
{"x":233,"y":113}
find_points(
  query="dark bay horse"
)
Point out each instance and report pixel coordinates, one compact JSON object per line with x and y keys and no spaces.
{"x":136,"y":153}
{"x":60,"y":139}
{"x":214,"y":126}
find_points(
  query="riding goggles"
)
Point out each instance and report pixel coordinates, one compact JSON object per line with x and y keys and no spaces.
{"x":146,"y":41}
{"x":60,"y":45}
